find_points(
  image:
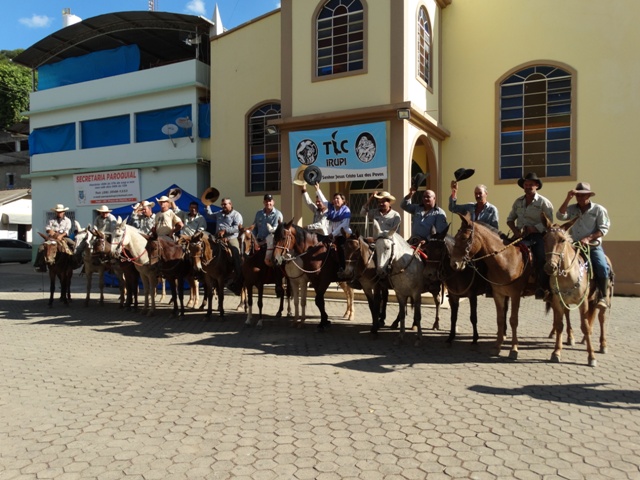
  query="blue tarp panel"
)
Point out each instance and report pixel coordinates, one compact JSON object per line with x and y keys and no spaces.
{"x":183,"y":202}
{"x":105,"y":132}
{"x":149,"y":124}
{"x":204,"y":120}
{"x":106,"y":63}
{"x":59,"y":138}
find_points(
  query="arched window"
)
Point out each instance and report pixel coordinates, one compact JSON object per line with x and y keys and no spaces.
{"x":264,"y":150}
{"x":340,"y":37}
{"x":536,"y":124}
{"x":424,"y":46}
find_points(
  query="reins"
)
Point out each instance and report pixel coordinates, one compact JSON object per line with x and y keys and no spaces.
{"x":562,"y":271}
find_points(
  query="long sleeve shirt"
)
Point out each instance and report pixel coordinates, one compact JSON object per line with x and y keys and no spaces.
{"x":59,"y":226}
{"x":229,"y":222}
{"x":382,"y":223}
{"x":192,"y":224}
{"x":595,"y":218}
{"x":530,"y":215}
{"x":320,"y":223}
{"x":263,"y":218}
{"x":488,"y":214}
{"x":105,"y":224}
{"x":338,"y":219}
{"x":143,"y":223}
{"x":422,"y":220}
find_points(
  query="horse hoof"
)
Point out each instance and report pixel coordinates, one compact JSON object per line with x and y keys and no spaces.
{"x":602,"y":350}
{"x":571,"y":342}
{"x":394,"y":326}
{"x":555,"y":358}
{"x":495,"y":352}
{"x":513,"y":355}
{"x":593,"y":362}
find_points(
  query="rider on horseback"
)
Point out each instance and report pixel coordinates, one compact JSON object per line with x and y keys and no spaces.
{"x":425,"y":216}
{"x":228,"y":222}
{"x":61,"y":225}
{"x":592,"y":224}
{"x":525,"y":221}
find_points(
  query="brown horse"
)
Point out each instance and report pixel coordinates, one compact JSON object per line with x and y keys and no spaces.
{"x":256,"y":273}
{"x":319,"y":260}
{"x":468,"y":283}
{"x":209,"y":255}
{"x":508,"y":271}
{"x":59,"y":260}
{"x":126,"y":273}
{"x":360,"y":265}
{"x":174,"y":266}
{"x":572,"y":283}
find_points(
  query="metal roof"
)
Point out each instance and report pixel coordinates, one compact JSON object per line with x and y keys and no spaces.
{"x":161,"y":36}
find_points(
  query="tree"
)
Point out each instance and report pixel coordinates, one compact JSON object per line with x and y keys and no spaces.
{"x":15,"y":85}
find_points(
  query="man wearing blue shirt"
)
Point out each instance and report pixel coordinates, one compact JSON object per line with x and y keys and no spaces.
{"x":268,"y":215}
{"x":424,"y":216}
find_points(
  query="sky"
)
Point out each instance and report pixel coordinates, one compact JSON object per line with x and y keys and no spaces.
{"x":26,"y":22}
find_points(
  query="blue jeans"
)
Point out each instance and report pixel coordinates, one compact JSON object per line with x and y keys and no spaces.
{"x":599,"y":262}
{"x":535,"y":242}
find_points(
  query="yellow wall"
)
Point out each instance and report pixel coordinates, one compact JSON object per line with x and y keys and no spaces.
{"x":482,"y":40}
{"x":349,"y":92}
{"x":245,"y":72}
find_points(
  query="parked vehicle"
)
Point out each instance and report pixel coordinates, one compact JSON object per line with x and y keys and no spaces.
{"x":14,"y":251}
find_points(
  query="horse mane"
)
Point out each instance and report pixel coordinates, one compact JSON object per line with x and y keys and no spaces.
{"x":207,"y":248}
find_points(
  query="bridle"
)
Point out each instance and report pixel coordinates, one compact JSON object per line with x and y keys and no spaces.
{"x":124,"y":256}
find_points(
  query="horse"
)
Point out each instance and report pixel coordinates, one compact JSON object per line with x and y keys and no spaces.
{"x":209,"y":256}
{"x":130,"y":246}
{"x":174,"y":266}
{"x":59,"y":260}
{"x":316,"y":258}
{"x":509,"y":269}
{"x":467,"y":283}
{"x":256,"y":273}
{"x":398,"y":262}
{"x":360,"y":265}
{"x":572,"y":283}
{"x":91,"y":264}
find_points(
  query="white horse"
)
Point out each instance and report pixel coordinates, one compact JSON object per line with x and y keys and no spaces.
{"x":130,"y":245}
{"x":399,"y":263}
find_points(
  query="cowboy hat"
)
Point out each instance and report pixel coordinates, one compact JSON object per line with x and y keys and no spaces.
{"x":530,"y":176}
{"x":144,"y":204}
{"x":585,"y":189}
{"x":463,"y":173}
{"x":418,"y":179}
{"x":385,"y":194}
{"x":163,"y":198}
{"x":59,"y":208}
{"x":312,"y":175}
{"x":210,"y":195}
{"x":103,"y":209}
{"x":298,"y":179}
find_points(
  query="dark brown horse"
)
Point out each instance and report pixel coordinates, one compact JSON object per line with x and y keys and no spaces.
{"x":509,"y":271}
{"x":174,"y":266}
{"x":572,"y":283}
{"x":256,"y":273}
{"x":210,"y":256}
{"x":468,"y":283}
{"x":360,"y":265}
{"x":59,"y":260}
{"x":319,"y":260}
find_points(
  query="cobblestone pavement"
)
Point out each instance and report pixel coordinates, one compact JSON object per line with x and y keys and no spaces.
{"x":103,"y":393}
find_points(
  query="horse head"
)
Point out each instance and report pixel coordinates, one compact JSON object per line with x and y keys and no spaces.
{"x":463,"y":247}
{"x":384,"y":253}
{"x":268,"y":256}
{"x":51,"y":247}
{"x":119,"y":238}
{"x":284,"y":240}
{"x":557,"y":241}
{"x":199,"y":249}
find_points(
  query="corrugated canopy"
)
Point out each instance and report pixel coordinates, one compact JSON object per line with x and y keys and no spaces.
{"x":162,"y":37}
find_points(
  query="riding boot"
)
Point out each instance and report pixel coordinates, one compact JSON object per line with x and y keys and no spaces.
{"x":603,"y":285}
{"x":39,"y":264}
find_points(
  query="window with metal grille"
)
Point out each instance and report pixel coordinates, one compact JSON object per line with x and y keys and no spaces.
{"x":536,"y":124}
{"x":359,"y":193}
{"x":340,"y":37}
{"x":424,"y":46}
{"x":264,"y":150}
